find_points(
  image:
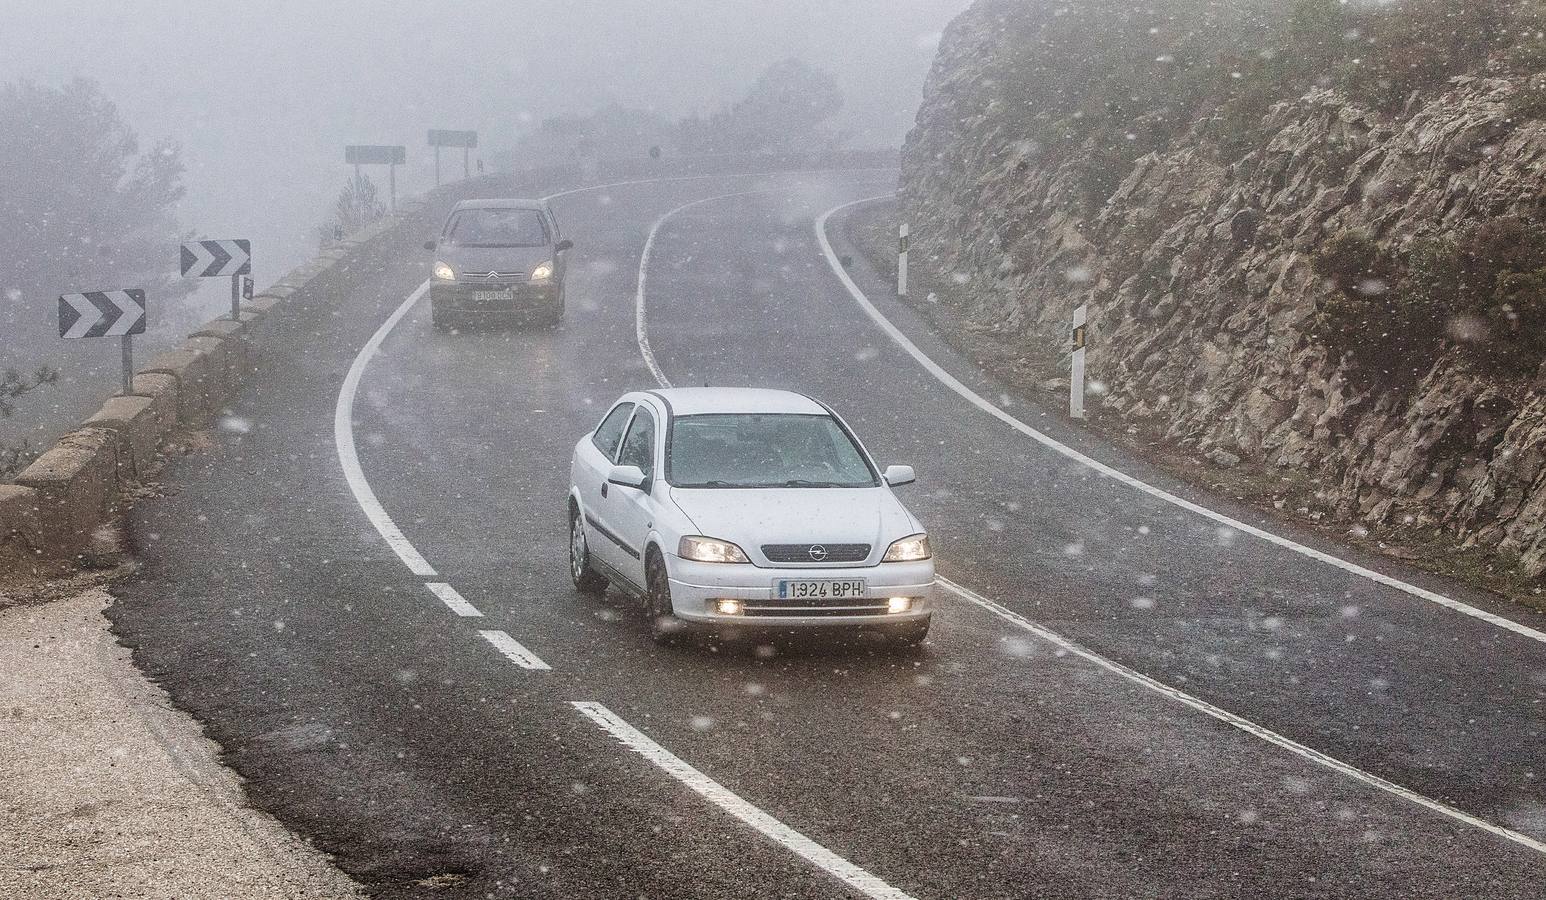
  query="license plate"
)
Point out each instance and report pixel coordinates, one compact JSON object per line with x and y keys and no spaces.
{"x":490,"y":296}
{"x":785,"y":589}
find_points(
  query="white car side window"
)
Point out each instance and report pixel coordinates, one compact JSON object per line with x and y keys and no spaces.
{"x":611,"y":430}
{"x":639,"y":445}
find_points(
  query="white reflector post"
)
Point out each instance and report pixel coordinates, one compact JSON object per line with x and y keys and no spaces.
{"x":1076,"y":374}
{"x":901,"y":260}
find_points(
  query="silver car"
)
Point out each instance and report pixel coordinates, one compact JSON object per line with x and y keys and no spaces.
{"x":498,"y":261}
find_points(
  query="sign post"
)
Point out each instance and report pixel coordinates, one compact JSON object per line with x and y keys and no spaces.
{"x":903,"y":240}
{"x":1076,"y":375}
{"x":119,"y":314}
{"x":219,"y":259}
{"x":391,"y":156}
{"x":466,"y":140}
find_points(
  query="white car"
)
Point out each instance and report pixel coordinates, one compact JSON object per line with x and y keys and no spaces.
{"x":740,"y":507}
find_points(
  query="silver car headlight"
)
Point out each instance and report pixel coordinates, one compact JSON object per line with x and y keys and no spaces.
{"x":710,"y":550}
{"x":909,"y":549}
{"x":444,"y":272}
{"x":542,"y":272}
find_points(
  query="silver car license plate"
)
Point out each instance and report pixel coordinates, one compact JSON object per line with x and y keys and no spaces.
{"x":490,"y":296}
{"x":791,"y":589}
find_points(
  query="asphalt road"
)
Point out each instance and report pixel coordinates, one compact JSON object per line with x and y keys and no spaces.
{"x":1306,"y":732}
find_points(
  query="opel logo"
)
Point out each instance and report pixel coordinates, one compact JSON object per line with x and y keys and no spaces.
{"x":818,"y":552}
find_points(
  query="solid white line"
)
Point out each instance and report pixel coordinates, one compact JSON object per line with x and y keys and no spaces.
{"x":640,"y":327}
{"x":1235,"y":721}
{"x":343,"y":439}
{"x":722,"y":797}
{"x":512,"y":650}
{"x":978,"y":401}
{"x":454,"y":600}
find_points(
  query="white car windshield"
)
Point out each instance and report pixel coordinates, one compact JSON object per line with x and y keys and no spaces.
{"x":764,"y":451}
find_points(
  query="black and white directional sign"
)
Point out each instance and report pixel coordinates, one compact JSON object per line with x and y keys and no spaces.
{"x":216,"y":259}
{"x":102,"y":314}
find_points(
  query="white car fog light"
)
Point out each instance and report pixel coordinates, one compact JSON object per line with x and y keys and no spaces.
{"x":728,"y":607}
{"x":899,"y":604}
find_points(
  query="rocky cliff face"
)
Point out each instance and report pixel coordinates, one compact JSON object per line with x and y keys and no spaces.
{"x":1199,"y":271}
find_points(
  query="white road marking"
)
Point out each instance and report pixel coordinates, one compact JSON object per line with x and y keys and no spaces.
{"x":860,"y":880}
{"x":640,"y":327}
{"x":1235,"y":721}
{"x":978,"y":401}
{"x":348,"y":458}
{"x":457,"y":603}
{"x":512,"y":650}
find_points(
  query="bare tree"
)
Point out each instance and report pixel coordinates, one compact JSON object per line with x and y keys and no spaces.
{"x":358,"y":205}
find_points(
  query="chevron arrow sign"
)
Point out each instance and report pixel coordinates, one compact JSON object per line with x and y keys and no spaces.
{"x":215,"y":259}
{"x":102,"y":314}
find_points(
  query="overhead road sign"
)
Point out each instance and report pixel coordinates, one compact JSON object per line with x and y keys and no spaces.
{"x":465,"y":139}
{"x":375,"y":155}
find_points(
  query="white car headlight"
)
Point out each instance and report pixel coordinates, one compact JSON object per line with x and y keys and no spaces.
{"x":542,"y":272}
{"x":702,"y":549}
{"x":908,"y":549}
{"x":444,"y":272}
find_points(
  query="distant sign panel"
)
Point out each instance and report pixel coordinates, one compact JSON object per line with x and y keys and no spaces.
{"x":467,"y":139}
{"x":375,"y":155}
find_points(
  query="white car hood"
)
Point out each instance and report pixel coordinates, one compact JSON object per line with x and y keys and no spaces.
{"x":758,"y":516}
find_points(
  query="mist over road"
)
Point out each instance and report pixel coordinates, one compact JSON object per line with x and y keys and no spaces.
{"x":387,"y":715}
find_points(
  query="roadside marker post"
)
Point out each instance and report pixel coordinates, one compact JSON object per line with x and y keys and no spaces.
{"x":219,"y":259}
{"x":119,"y":314}
{"x":466,"y":140}
{"x":1076,"y":373}
{"x":389,"y":155}
{"x":902,"y":243}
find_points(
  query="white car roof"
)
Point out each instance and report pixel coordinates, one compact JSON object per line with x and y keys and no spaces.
{"x":703,"y":401}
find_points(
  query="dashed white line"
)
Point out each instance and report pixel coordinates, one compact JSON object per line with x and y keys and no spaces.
{"x":511,"y":649}
{"x":1229,"y":718}
{"x":454,"y":600}
{"x":860,"y":880}
{"x":971,"y":396}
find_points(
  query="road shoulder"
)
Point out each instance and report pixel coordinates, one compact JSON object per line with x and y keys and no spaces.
{"x":107,"y":790}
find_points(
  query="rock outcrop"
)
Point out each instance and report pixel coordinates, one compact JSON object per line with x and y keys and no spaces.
{"x":1199,"y":271}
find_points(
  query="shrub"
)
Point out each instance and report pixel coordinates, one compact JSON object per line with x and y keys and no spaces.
{"x":1482,"y":293}
{"x":1348,"y":259}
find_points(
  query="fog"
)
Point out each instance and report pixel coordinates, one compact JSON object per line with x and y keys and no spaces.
{"x":263,"y":96}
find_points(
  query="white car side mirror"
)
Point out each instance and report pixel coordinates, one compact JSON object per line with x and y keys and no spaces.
{"x":626,"y":476}
{"x":896,"y":476}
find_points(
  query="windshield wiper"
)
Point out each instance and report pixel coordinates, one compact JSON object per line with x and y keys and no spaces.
{"x":802,"y":483}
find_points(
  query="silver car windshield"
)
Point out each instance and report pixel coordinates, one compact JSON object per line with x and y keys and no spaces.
{"x":764,"y":451}
{"x":498,"y":228}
